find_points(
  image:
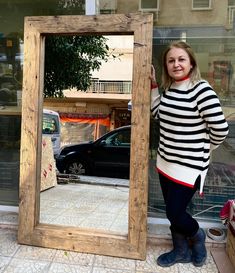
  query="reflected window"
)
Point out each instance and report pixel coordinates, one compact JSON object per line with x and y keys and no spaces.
{"x":107,"y":7}
{"x":119,"y":139}
{"x":10,"y":70}
{"x":201,"y":4}
{"x":149,"y":5}
{"x":50,"y":124}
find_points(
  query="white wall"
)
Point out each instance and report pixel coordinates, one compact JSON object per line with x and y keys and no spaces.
{"x":119,"y":68}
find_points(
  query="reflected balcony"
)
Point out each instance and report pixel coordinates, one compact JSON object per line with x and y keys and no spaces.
{"x":110,"y":87}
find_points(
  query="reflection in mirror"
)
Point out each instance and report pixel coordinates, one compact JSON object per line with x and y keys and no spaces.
{"x":87,"y":185}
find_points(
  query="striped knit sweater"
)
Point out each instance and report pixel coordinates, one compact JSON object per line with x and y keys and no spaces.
{"x":192,"y":124}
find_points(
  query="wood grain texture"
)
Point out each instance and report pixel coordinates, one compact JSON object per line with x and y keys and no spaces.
{"x":85,"y":240}
{"x":230,"y":247}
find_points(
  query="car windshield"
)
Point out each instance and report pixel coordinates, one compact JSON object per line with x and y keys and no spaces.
{"x":50,"y":124}
{"x":119,"y":139}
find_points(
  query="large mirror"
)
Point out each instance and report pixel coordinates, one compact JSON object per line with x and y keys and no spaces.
{"x":33,"y":228}
{"x":87,"y":131}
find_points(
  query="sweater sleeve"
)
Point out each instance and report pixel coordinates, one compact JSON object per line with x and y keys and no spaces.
{"x":210,"y":110}
{"x":155,"y":102}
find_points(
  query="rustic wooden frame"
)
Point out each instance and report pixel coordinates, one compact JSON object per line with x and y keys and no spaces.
{"x":31,"y":231}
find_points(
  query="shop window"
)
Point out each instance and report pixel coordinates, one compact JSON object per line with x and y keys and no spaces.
{"x":216,"y":59}
{"x":231,"y":9}
{"x":78,"y":128}
{"x":201,"y":4}
{"x":149,"y":5}
{"x":107,"y":6}
{"x":9,"y":159}
{"x":122,"y":118}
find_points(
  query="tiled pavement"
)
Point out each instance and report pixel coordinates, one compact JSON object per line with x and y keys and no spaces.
{"x":82,"y":205}
{"x":15,"y":258}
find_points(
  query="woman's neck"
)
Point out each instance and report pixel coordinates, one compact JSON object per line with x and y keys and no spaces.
{"x":183,"y":79}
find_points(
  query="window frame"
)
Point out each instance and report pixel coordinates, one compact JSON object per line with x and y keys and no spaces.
{"x":149,"y":9}
{"x":30,"y":230}
{"x":202,"y":8}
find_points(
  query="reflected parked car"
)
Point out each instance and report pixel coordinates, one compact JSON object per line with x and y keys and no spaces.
{"x":107,"y":156}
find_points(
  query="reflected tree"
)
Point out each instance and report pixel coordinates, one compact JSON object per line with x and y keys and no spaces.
{"x":69,"y":61}
{"x":71,"y":7}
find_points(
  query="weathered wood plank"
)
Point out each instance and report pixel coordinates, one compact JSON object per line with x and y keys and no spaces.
{"x":84,"y":240}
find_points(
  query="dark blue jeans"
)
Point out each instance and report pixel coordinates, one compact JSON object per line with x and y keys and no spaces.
{"x":177,"y":198}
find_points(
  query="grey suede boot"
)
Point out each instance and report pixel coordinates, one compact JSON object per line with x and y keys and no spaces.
{"x":199,"y":253}
{"x":180,"y":253}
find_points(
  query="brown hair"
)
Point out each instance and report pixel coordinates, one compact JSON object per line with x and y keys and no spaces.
{"x":194,"y":75}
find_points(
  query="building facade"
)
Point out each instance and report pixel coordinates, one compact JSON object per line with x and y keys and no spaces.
{"x":208,"y":25}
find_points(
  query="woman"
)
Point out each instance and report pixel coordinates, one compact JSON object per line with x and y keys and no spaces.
{"x":192,"y":124}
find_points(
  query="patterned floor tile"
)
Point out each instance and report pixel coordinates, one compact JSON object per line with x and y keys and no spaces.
{"x":68,"y":268}
{"x":8,"y":217}
{"x":96,"y":223}
{"x":190,"y":268}
{"x":67,"y":220}
{"x":45,"y":208}
{"x":120,"y":223}
{"x":56,"y":204}
{"x":4,"y":261}
{"x":8,"y":242}
{"x":27,"y":266}
{"x":109,"y":270}
{"x":16,"y":258}
{"x":85,"y":206}
{"x":35,"y":253}
{"x":69,"y":257}
{"x":119,"y":228}
{"x":114,"y":263}
{"x":47,"y":218}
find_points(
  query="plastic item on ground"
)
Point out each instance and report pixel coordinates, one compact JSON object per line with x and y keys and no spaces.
{"x":216,"y":234}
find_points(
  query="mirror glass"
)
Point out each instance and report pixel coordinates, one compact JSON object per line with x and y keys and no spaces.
{"x":85,"y":159}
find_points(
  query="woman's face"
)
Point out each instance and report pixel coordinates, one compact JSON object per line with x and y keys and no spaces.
{"x":178,"y":63}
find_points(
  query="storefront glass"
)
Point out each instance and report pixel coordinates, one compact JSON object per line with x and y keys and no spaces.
{"x":213,"y":44}
{"x":12,"y":15}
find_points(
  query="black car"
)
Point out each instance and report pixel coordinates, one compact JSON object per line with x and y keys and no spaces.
{"x":107,"y":156}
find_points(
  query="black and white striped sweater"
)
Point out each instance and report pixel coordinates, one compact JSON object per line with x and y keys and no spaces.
{"x":192,"y":124}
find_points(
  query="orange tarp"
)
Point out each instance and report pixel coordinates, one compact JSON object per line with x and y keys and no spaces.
{"x":101,"y":121}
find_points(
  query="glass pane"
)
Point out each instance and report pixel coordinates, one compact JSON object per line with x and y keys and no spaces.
{"x":12,"y":15}
{"x":95,"y":151}
{"x":11,"y":62}
{"x":201,"y":4}
{"x":149,"y":4}
{"x":214,"y":48}
{"x":9,"y":159}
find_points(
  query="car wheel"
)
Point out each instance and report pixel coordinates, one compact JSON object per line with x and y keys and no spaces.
{"x":76,"y":167}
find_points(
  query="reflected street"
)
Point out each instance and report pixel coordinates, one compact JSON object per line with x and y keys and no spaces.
{"x":92,"y":202}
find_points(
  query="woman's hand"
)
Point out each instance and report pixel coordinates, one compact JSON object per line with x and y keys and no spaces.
{"x":152,"y":77}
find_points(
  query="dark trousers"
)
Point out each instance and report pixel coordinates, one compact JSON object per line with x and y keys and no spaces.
{"x":177,"y":198}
